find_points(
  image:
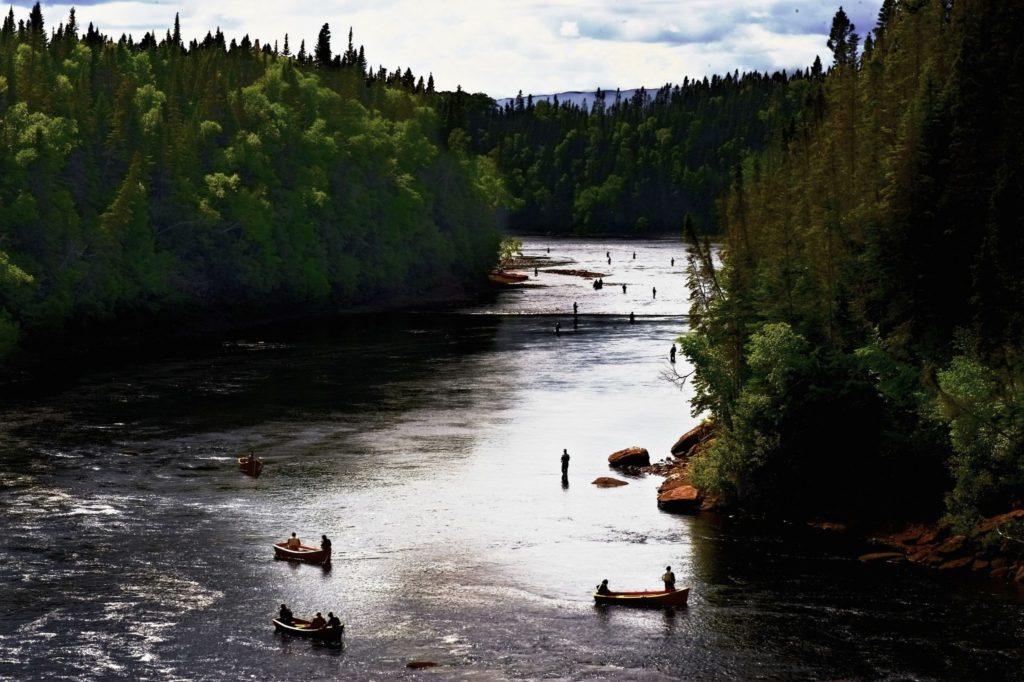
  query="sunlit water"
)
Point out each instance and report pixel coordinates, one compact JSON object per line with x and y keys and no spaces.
{"x":427,"y":446}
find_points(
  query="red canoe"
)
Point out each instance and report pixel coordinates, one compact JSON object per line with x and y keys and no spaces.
{"x":310,"y":555}
{"x":300,"y":628}
{"x":250,"y":467}
{"x":656,"y":598}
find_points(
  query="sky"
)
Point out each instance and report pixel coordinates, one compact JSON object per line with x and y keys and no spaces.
{"x":500,"y":47}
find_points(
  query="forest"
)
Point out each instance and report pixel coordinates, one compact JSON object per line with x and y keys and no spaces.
{"x":632,"y":165}
{"x":861,"y":348}
{"x":157,"y":180}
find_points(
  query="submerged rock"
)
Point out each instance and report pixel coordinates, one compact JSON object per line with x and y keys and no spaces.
{"x":888,"y":557}
{"x":956,"y":564}
{"x":633,"y":456}
{"x":416,"y":665}
{"x":607,"y":482}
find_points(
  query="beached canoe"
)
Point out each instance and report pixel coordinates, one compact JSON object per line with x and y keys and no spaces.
{"x":656,"y":598}
{"x":502,"y":277}
{"x":250,"y":467}
{"x":309,"y":555}
{"x":300,"y":628}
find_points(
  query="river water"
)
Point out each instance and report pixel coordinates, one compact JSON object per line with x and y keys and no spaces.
{"x":427,"y":446}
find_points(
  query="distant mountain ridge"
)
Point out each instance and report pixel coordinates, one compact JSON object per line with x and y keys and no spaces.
{"x":576,"y":97}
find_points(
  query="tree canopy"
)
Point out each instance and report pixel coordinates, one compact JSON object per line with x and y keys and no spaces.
{"x":154,"y":179}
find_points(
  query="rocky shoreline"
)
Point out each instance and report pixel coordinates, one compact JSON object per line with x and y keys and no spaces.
{"x":986,"y":551}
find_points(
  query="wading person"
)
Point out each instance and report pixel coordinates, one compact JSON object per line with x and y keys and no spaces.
{"x":672,"y":354}
{"x":669,"y":578}
{"x":565,"y":461}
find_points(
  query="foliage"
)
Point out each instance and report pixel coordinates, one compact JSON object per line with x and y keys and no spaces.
{"x":508,"y":250}
{"x":210,"y":179}
{"x":626,"y":164}
{"x":884,"y":230}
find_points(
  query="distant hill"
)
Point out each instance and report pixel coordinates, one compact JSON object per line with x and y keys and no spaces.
{"x":577,"y":97}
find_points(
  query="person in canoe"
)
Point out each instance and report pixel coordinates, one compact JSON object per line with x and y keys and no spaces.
{"x":332,"y":620}
{"x":325,"y":543}
{"x":603,"y":587}
{"x":669,"y":578}
{"x":317,"y":622}
{"x":565,"y":461}
{"x":284,"y":614}
{"x":294,"y":542}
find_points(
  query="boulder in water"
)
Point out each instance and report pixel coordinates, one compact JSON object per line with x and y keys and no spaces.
{"x":633,"y":456}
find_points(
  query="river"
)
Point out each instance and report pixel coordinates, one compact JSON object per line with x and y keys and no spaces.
{"x":427,"y":446}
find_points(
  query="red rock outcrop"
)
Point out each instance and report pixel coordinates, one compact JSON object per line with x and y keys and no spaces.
{"x":684,"y":498}
{"x":633,"y":456}
{"x":694,"y":436}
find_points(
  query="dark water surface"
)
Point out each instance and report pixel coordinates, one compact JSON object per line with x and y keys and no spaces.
{"x":427,"y":446}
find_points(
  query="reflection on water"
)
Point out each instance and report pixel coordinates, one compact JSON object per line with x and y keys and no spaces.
{"x":428,"y":447}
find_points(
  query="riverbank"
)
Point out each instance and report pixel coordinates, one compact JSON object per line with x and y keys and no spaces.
{"x":989,"y":550}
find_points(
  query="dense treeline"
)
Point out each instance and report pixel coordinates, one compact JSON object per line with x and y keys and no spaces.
{"x":633,"y":164}
{"x":154,"y":179}
{"x":862,"y":349}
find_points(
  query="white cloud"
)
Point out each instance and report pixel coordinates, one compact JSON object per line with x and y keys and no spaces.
{"x":500,"y":47}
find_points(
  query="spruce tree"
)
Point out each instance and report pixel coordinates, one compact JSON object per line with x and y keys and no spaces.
{"x":842,"y":40}
{"x":322,"y":52}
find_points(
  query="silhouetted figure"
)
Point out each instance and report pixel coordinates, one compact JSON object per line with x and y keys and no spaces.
{"x":536,"y":272}
{"x":284,"y":614}
{"x":317,"y":622}
{"x":669,"y":579}
{"x":608,"y":254}
{"x":558,"y":328}
{"x":623,"y":288}
{"x":673,"y":262}
{"x":575,"y":309}
{"x":332,"y":620}
{"x":549,"y":249}
{"x":565,"y":461}
{"x":634,"y":255}
{"x":609,"y":260}
{"x":654,"y":292}
{"x":603,"y":587}
{"x":672,"y":354}
{"x":325,"y":543}
{"x":632,"y":318}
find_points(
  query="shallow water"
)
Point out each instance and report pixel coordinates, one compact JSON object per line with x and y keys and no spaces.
{"x":427,"y":446}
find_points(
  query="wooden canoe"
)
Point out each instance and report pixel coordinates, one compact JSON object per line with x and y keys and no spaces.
{"x":502,"y":277}
{"x":300,"y":628}
{"x":250,"y":467}
{"x":309,"y":555}
{"x":655,"y":598}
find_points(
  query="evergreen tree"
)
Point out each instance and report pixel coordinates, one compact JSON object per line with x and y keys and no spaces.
{"x":322,"y":52}
{"x":842,"y":39}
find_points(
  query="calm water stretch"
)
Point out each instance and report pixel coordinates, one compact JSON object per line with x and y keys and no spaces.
{"x":427,"y":446}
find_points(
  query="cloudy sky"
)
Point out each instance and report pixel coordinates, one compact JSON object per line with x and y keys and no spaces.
{"x":502,"y":46}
